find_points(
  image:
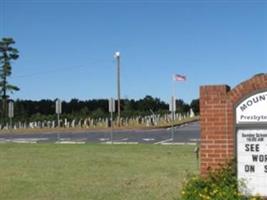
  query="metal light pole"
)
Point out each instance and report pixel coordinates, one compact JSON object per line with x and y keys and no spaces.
{"x":117,"y":57}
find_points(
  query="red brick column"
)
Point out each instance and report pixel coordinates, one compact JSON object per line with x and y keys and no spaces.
{"x":214,"y":135}
{"x":217,"y":110}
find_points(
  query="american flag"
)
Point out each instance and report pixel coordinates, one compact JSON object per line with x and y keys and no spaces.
{"x":178,"y":77}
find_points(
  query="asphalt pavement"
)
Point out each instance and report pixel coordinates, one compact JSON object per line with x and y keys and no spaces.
{"x":184,"y":134}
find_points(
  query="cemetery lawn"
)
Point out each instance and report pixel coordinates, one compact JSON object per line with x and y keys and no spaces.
{"x":91,"y":129}
{"x":94,"y":171}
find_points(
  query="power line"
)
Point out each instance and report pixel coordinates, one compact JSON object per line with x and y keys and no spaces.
{"x":59,"y":69}
{"x":2,"y":21}
{"x":135,"y":1}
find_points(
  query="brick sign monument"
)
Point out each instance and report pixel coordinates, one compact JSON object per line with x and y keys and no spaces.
{"x":234,"y":125}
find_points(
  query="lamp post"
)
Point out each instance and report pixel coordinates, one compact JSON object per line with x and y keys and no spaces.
{"x":117,"y":57}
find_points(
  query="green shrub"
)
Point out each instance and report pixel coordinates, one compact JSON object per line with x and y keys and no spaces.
{"x":221,"y":184}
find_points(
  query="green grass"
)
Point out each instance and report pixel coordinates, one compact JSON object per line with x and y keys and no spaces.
{"x":93,"y":171}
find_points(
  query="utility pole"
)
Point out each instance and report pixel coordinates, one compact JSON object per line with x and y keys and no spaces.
{"x":117,"y":57}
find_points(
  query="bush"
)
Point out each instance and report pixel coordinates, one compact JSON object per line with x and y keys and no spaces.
{"x":221,"y":184}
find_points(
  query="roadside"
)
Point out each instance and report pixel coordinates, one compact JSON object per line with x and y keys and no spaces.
{"x":187,"y":133}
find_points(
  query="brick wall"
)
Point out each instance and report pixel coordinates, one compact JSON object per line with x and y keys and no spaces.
{"x":217,"y":105}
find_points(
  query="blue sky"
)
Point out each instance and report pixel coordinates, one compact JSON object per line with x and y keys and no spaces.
{"x":67,"y":46}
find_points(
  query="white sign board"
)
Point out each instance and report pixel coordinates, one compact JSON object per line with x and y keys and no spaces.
{"x":111,"y":105}
{"x":58,"y":106}
{"x":252,"y":160}
{"x":172,"y":105}
{"x":253,"y":109}
{"x":10,"y":109}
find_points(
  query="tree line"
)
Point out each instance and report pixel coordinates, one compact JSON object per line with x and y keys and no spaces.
{"x":30,"y":110}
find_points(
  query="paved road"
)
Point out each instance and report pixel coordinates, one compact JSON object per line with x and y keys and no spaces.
{"x":188,"y":133}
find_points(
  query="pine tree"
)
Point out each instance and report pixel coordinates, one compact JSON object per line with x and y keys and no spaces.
{"x":7,"y":54}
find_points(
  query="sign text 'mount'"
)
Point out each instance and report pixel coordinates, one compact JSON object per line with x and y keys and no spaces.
{"x":252,"y":109}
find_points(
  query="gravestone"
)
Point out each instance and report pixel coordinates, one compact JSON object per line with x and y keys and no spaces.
{"x":73,"y":123}
{"x":43,"y":124}
{"x":86,"y":123}
{"x":65,"y":122}
{"x":19,"y":124}
{"x":79,"y":123}
{"x":53,"y":124}
{"x":147,"y":121}
{"x":92,"y":122}
{"x":126,"y":121}
{"x":192,"y":114}
{"x":31,"y":125}
{"x":48,"y":124}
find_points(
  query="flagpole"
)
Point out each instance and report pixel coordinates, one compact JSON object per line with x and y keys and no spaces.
{"x":173,"y":85}
{"x":174,"y":91}
{"x":173,"y":106}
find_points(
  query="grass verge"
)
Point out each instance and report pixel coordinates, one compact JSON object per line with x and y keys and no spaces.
{"x":94,"y":172}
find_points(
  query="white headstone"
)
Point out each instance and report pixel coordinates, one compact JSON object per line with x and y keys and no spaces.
{"x":53,"y":124}
{"x":73,"y":123}
{"x":192,"y":114}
